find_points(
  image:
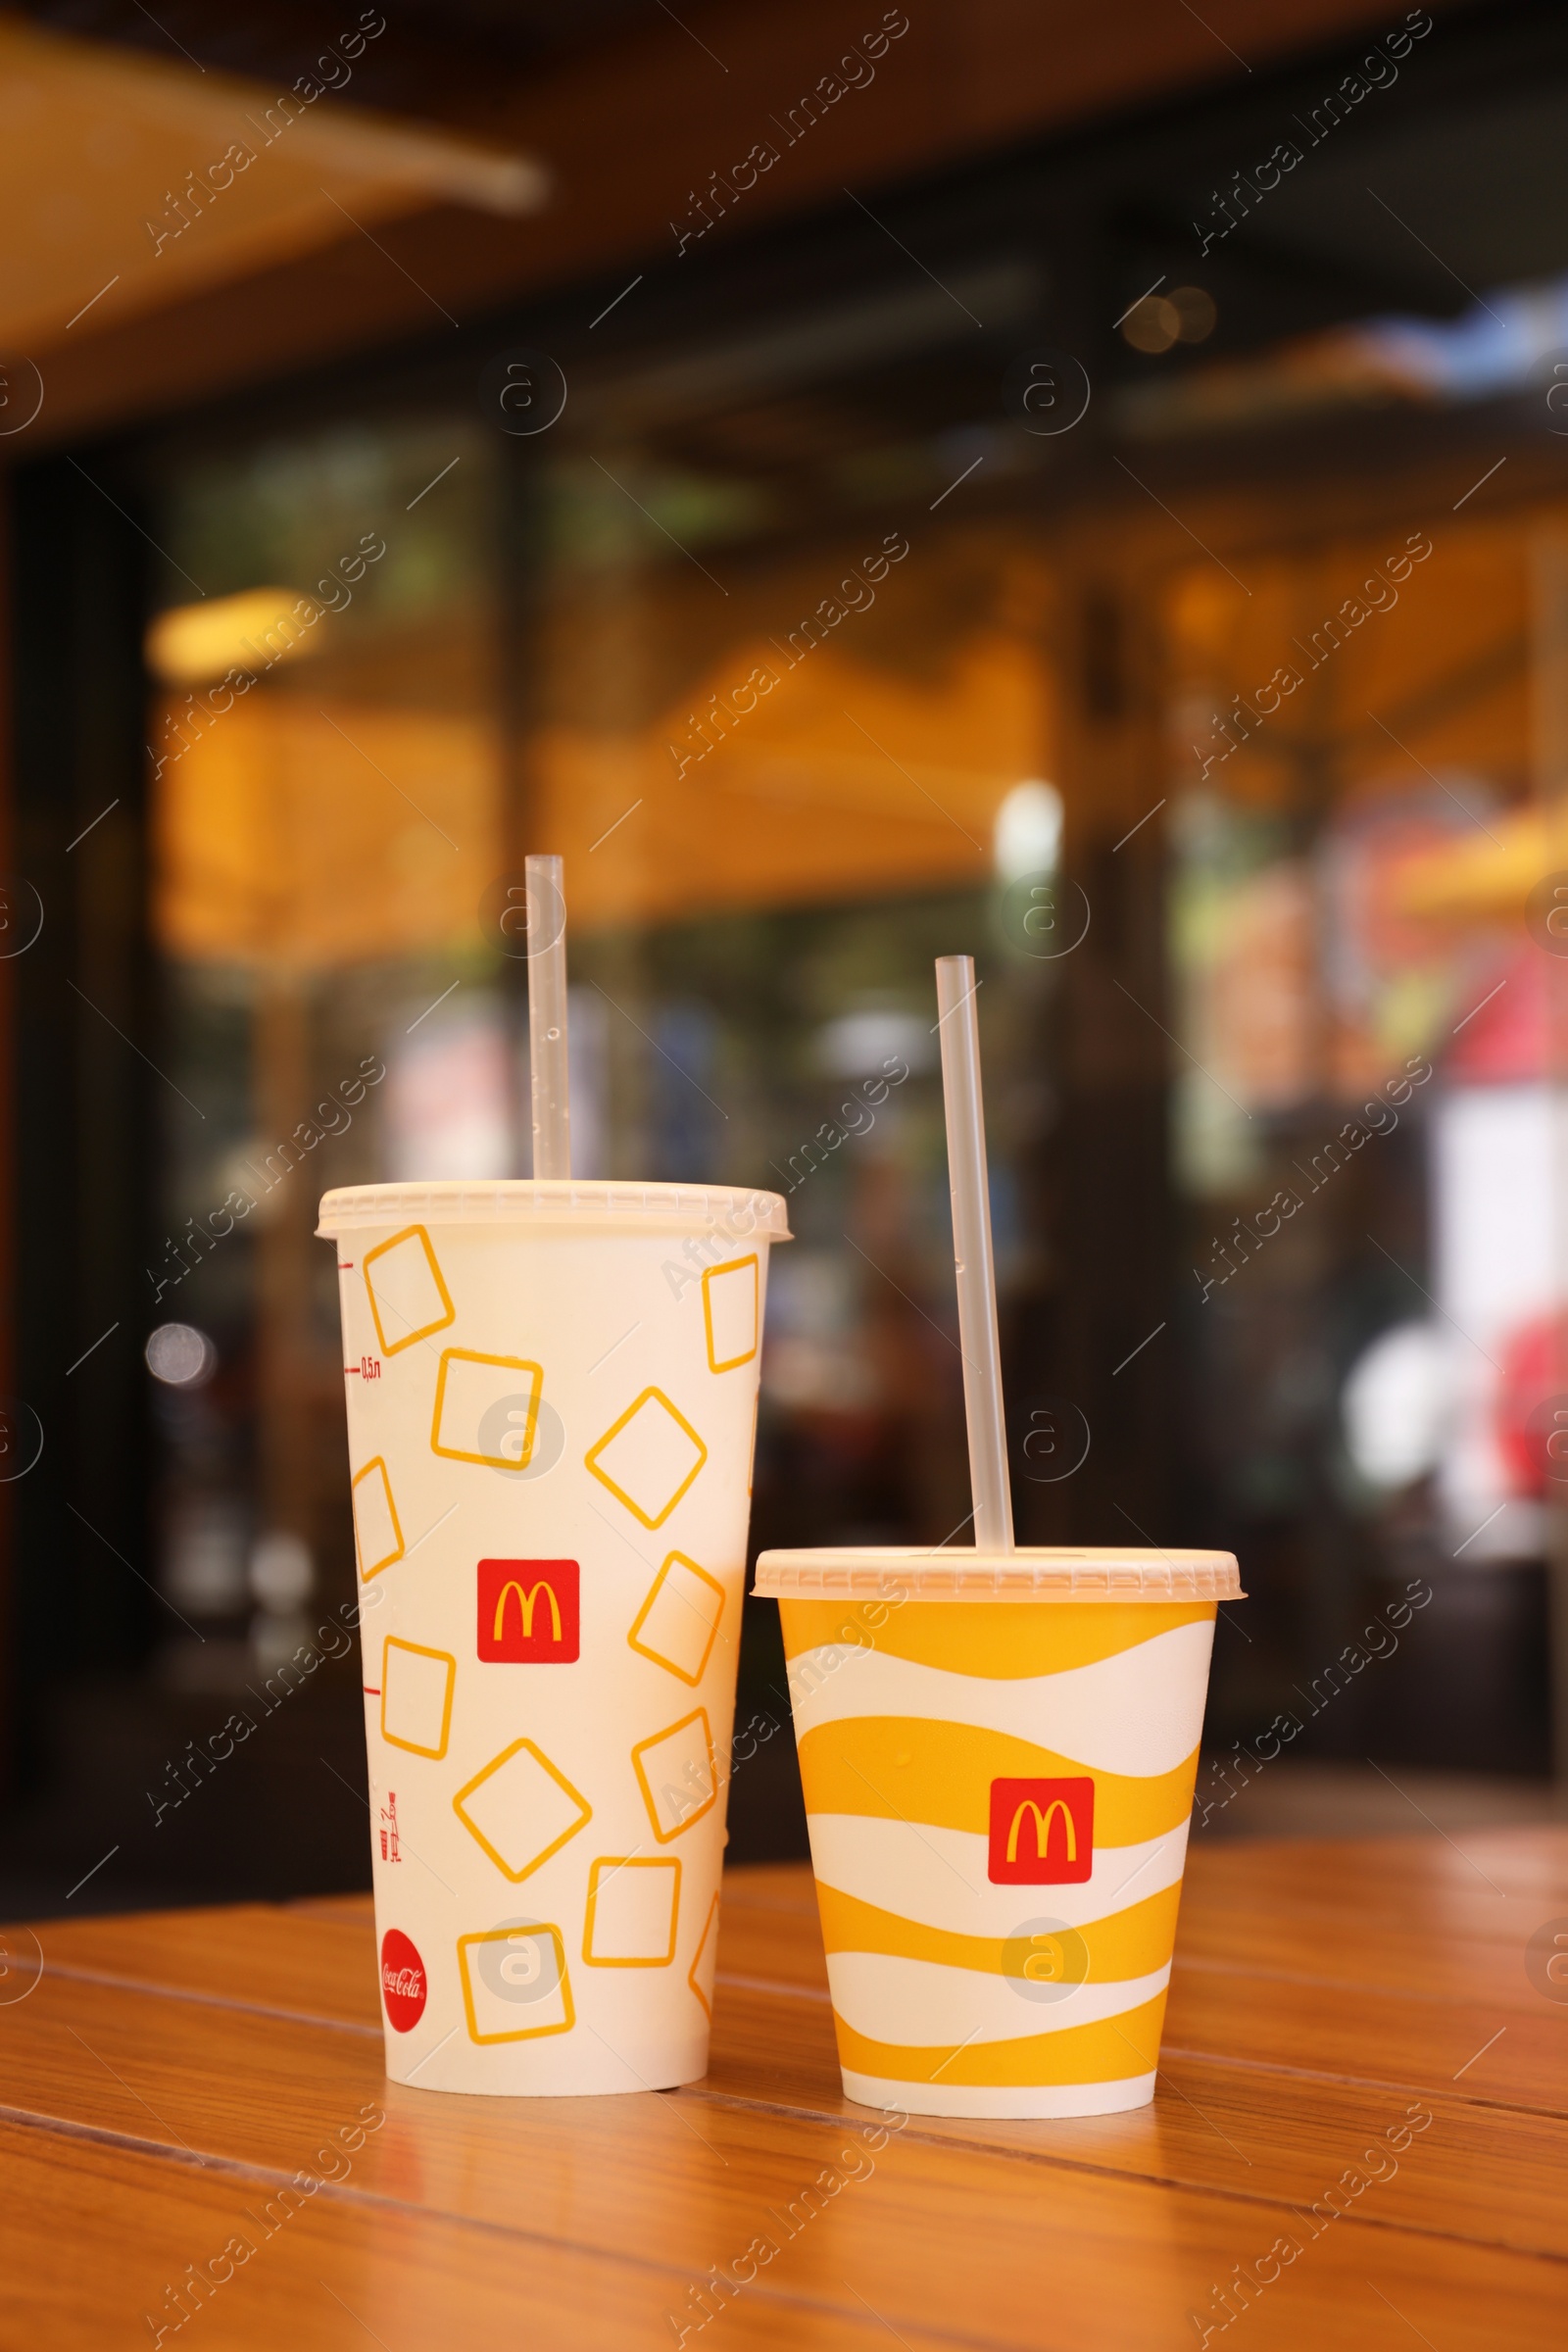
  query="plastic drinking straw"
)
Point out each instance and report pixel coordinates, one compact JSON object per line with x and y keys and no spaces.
{"x":547,"y":1018}
{"x":972,"y":1256}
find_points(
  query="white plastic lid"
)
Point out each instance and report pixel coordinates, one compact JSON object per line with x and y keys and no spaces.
{"x":564,"y":1202}
{"x":1108,"y":1572}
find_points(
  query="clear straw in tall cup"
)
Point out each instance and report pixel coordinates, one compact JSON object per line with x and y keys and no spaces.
{"x":552,"y":1406}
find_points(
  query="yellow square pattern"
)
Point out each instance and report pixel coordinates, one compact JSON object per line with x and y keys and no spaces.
{"x":416,"y":1688}
{"x":633,"y":1910}
{"x":649,"y":1457}
{"x":410,"y":1295}
{"x":490,"y":2002}
{"x":678,"y":1623}
{"x":468,"y":1386}
{"x":377,"y":1536}
{"x":704,"y":1960}
{"x":730,"y":1299}
{"x":677,"y":1773}
{"x":521,"y":1809}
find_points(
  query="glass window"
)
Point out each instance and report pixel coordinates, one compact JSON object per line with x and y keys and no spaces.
{"x":1223,"y":726}
{"x":328,"y":810}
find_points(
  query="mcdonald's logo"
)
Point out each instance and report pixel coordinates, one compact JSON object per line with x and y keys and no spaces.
{"x":1043,"y":1828}
{"x":1042,"y":1832}
{"x":527,"y":1601}
{"x":529,"y":1612}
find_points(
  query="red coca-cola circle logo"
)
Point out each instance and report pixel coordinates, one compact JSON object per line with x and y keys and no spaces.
{"x":405,"y":1986}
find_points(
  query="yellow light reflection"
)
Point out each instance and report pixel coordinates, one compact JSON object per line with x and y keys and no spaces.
{"x":192,"y":643}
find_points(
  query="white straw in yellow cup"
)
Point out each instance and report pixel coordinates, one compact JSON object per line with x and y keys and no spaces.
{"x":998,"y":1751}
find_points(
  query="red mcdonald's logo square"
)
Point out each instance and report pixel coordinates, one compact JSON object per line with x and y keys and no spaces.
{"x":529,"y":1612}
{"x":1042,"y":1832}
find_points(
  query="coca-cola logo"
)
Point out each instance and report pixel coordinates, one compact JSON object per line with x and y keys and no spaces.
{"x":405,"y":1988}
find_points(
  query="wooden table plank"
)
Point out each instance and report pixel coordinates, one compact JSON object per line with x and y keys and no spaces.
{"x":93,"y":2235}
{"x":1382,"y":1872}
{"x":164,"y":2065}
{"x":1475,"y":2173}
{"x":1414,"y":1962}
{"x":270,"y":2093}
{"x":1355,"y":2035}
{"x":249,"y":1955}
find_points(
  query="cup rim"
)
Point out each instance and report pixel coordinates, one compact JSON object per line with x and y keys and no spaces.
{"x":738,"y":1214}
{"x":1034,"y":1572}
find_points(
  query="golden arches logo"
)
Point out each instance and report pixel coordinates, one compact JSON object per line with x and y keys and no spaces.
{"x":526,"y":1603}
{"x":531,"y":1638}
{"x":1043,"y":1824}
{"x":1015,"y":1860}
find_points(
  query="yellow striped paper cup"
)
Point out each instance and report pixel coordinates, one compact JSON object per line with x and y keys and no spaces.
{"x":998,"y":1753}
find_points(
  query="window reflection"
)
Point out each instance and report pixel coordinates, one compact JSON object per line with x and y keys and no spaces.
{"x":1248,"y":843}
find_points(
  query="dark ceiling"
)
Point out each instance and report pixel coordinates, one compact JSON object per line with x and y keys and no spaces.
{"x":435,"y":56}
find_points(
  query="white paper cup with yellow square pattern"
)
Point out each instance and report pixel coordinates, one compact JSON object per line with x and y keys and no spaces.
{"x":552,"y":1407}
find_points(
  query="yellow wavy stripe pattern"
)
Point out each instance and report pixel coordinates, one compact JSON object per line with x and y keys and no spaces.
{"x":1131,"y":1943}
{"x":911,"y":1768}
{"x":1106,"y":2052}
{"x":1005,"y":1641}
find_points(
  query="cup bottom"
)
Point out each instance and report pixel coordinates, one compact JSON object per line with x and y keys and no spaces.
{"x":549,"y":2074}
{"x":1021,"y":2101}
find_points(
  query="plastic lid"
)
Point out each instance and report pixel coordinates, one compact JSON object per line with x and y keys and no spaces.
{"x":561,"y":1203}
{"x":1108,"y":1572}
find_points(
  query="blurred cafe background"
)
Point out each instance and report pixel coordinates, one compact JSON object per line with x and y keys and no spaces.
{"x":1085,"y":488}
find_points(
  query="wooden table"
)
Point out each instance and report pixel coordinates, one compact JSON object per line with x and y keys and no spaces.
{"x":169,"y":2075}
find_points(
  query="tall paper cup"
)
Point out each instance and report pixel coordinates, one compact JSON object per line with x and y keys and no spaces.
{"x":552,"y":1397}
{"x":998,"y":1751}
